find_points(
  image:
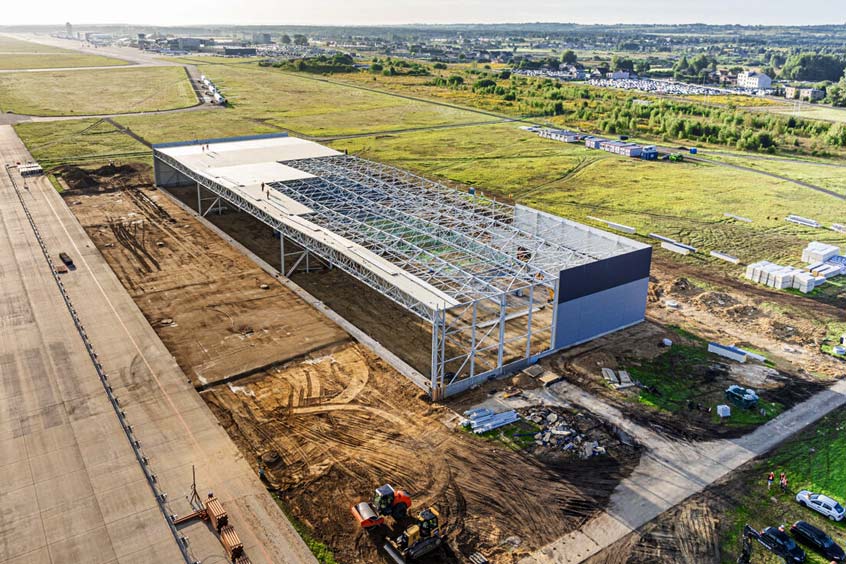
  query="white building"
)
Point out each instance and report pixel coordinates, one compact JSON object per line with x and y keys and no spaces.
{"x":754,"y":80}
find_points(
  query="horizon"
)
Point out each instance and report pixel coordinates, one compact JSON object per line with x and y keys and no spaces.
{"x":384,"y":13}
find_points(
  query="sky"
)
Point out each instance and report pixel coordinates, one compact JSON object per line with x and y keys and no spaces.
{"x":386,"y":12}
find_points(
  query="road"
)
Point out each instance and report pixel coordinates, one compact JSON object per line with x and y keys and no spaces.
{"x":669,"y":471}
{"x":71,"y":482}
{"x":173,"y":425}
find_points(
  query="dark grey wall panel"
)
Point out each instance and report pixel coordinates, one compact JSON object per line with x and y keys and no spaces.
{"x":604,"y":274}
{"x":593,"y":315}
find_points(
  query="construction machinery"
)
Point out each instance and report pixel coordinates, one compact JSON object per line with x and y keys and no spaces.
{"x":386,"y":502}
{"x":417,"y":540}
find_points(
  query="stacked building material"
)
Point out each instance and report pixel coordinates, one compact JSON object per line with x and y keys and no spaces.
{"x":781,"y":277}
{"x":30,"y":169}
{"x":482,"y":420}
{"x":799,"y":220}
{"x":615,"y":226}
{"x":817,"y":252}
{"x":674,"y":248}
{"x":673,"y":242}
{"x":725,"y":257}
{"x":728,"y":352}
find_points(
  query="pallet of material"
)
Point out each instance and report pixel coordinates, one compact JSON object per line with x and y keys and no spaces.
{"x":674,"y":248}
{"x":549,"y":379}
{"x":817,"y":252}
{"x":625,"y":380}
{"x":610,"y":376}
{"x":727,"y":352}
{"x":753,"y":356}
{"x":494,"y":422}
{"x":725,"y":257}
{"x":231,"y":542}
{"x":673,"y":242}
{"x":615,"y":226}
{"x":804,"y":221}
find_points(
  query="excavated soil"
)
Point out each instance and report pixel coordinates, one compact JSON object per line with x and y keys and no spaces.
{"x":328,"y":420}
{"x":216,"y":311}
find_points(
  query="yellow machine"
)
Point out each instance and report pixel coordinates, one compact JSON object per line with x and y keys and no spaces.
{"x":417,"y":540}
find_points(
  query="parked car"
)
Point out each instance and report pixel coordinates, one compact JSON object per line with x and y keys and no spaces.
{"x":742,"y":397}
{"x":822,"y":504}
{"x":778,"y":542}
{"x":65,"y":258}
{"x":815,"y":538}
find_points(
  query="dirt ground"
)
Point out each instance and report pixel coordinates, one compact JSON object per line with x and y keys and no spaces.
{"x":327,"y":419}
{"x":190,"y":284}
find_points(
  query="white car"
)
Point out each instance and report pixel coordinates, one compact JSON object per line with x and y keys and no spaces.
{"x":822,"y":504}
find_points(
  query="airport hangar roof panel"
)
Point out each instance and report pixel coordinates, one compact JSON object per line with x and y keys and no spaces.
{"x":393,"y":223}
{"x":243,"y":165}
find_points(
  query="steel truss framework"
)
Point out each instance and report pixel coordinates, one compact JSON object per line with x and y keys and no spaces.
{"x":503,"y":277}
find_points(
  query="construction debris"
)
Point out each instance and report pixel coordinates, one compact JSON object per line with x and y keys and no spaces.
{"x":560,"y":431}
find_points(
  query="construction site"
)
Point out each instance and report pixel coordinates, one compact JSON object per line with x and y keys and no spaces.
{"x":314,"y":410}
{"x":323,"y":368}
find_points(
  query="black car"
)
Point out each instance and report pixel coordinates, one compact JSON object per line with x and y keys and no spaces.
{"x":811,"y":536}
{"x":778,"y":542}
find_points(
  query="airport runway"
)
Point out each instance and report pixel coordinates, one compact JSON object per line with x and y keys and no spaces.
{"x":74,"y":490}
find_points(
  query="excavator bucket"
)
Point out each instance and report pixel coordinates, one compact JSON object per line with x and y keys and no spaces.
{"x":393,"y":553}
{"x":366,"y":515}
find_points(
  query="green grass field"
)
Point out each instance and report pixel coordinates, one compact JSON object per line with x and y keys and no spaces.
{"x":817,"y":173}
{"x":17,"y":54}
{"x":685,"y":201}
{"x":820,"y":470}
{"x":814,"y":111}
{"x":95,"y":92}
{"x":80,"y":142}
{"x":314,"y":107}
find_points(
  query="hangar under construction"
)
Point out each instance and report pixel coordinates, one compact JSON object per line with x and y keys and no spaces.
{"x":500,"y":285}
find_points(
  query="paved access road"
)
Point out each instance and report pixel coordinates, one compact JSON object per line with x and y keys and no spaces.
{"x":669,"y":471}
{"x":72,"y":488}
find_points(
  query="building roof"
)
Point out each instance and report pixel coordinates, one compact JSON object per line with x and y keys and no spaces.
{"x":392,"y":229}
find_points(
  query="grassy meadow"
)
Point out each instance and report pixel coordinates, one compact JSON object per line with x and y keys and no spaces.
{"x":17,"y":54}
{"x":96,"y":91}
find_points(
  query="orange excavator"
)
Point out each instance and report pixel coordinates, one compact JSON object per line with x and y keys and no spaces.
{"x":386,"y":502}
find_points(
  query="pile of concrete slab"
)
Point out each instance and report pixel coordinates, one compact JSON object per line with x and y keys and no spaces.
{"x":782,"y":277}
{"x":556,"y":432}
{"x":817,"y":252}
{"x":482,"y":419}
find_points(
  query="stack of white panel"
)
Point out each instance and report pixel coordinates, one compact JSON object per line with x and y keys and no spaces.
{"x":778,"y":276}
{"x":826,"y":270}
{"x":804,"y":282}
{"x":817,"y":252}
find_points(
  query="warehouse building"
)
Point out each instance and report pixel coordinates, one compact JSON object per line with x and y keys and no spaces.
{"x":500,"y":286}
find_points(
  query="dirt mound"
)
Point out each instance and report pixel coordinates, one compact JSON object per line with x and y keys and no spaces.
{"x":742,"y":312}
{"x":77,"y":178}
{"x":715,"y":300}
{"x":682,"y":286}
{"x":112,"y":169}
